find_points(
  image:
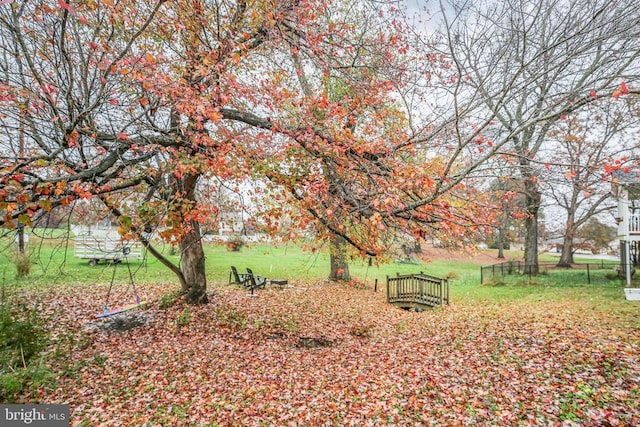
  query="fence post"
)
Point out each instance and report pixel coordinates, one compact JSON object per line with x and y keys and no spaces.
{"x":445,"y":291}
{"x":588,"y":275}
{"x":448,"y":292}
{"x":388,"y":288}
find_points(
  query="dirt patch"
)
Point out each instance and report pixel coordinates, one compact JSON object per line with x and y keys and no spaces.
{"x":479,"y":256}
{"x":311,"y":342}
{"x":122,"y":322}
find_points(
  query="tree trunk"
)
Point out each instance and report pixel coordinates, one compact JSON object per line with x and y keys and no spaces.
{"x":501,"y":243}
{"x":191,"y":252}
{"x":533,"y":201}
{"x":566,"y":257}
{"x":338,"y":257}
{"x":192,"y":266}
{"x":21,"y":240}
{"x":531,"y":245}
{"x":23,"y":117}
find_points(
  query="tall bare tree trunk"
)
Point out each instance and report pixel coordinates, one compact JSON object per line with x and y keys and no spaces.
{"x":533,"y":202}
{"x":338,"y":258}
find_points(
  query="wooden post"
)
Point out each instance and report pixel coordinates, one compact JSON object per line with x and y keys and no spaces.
{"x":446,"y":283}
{"x":388,"y":288}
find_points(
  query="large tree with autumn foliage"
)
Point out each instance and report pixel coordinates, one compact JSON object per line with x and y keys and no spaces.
{"x":117,"y":101}
{"x":135,"y":103}
{"x":71,"y":123}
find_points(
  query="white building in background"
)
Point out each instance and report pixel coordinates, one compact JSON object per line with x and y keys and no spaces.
{"x":626,"y":189}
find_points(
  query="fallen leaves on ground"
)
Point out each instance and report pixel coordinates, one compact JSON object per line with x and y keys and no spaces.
{"x":327,"y":354}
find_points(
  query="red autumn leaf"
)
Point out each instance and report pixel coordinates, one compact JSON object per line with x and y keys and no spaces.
{"x":623,"y":88}
{"x":66,"y":6}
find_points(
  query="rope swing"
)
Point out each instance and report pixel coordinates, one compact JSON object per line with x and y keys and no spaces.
{"x":106,"y":311}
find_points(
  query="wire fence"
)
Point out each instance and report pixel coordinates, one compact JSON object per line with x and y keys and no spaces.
{"x":601,"y":272}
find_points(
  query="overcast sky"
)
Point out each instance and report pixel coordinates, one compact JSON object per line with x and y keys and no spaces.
{"x":423,"y":13}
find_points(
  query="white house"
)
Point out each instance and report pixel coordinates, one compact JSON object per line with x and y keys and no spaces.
{"x":626,"y":189}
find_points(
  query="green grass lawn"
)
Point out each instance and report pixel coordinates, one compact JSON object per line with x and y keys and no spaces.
{"x":53,"y":264}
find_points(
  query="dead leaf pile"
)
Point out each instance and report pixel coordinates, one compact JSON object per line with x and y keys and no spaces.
{"x":327,"y":354}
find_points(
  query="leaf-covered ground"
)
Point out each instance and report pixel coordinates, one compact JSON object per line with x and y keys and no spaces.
{"x":326,"y":354}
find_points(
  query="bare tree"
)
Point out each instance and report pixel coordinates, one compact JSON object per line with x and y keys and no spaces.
{"x":575,"y":179}
{"x":532,"y":63}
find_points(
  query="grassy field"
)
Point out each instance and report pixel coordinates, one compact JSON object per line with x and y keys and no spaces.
{"x":53,"y":263}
